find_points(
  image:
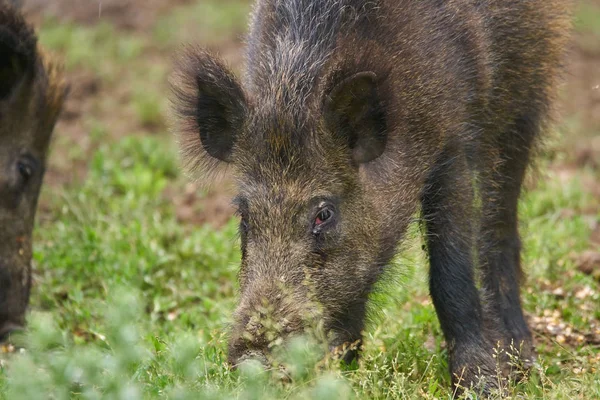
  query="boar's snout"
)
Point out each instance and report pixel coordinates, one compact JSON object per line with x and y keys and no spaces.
{"x":239,"y":353}
{"x":265,"y":318}
{"x":14,"y":296}
{"x":8,"y":328}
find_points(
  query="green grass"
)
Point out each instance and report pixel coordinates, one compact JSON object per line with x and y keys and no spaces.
{"x":90,"y":46}
{"x":128,"y":303}
{"x":587,"y":18}
{"x":587,"y":22}
{"x":210,"y":22}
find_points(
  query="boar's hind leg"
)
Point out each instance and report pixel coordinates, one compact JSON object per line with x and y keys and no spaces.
{"x":499,"y":247}
{"x":447,"y":207}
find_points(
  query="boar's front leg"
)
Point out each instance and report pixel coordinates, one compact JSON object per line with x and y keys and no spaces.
{"x":448,"y":215}
{"x":499,"y":247}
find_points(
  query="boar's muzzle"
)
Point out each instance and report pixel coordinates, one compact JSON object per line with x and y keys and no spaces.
{"x":268,"y":315}
{"x":14,"y":295}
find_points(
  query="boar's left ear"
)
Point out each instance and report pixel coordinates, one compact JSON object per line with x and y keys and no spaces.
{"x":353,"y":110}
{"x":17,"y":52}
{"x":210,"y":109}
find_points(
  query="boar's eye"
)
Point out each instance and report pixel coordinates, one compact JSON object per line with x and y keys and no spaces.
{"x":242,"y":211}
{"x":26,"y":168}
{"x":243,"y":226}
{"x":324,"y":217}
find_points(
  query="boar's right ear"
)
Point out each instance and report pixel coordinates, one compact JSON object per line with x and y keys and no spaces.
{"x":210,"y":108}
{"x":353,"y":110}
{"x":17,"y":52}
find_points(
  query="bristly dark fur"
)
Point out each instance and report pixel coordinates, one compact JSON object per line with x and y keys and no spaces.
{"x":32,"y":91}
{"x":13,"y":28}
{"x":17,"y":42}
{"x":18,"y":39}
{"x":364,"y":113}
{"x":197,"y":71}
{"x":292,"y":42}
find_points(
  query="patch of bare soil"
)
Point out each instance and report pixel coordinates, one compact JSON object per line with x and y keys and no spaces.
{"x":595,"y":238}
{"x":107,"y":103}
{"x":588,"y":262}
{"x":85,"y":105}
{"x":124,"y":14}
{"x":213,"y":208}
{"x":83,"y":86}
{"x":582,"y":100}
{"x":549,"y":324}
{"x":91,"y":98}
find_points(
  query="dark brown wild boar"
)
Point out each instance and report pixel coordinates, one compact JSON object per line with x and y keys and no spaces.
{"x":31,"y":96}
{"x":353,"y":116}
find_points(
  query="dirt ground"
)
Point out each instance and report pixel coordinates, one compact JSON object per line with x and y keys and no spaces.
{"x":127,"y":15}
{"x":580,"y":101}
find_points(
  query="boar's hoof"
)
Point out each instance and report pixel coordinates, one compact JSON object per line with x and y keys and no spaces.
{"x":8,"y":329}
{"x":518,"y":360}
{"x":476,"y":369}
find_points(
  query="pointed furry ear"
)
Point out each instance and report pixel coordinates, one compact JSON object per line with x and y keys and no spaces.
{"x":210,"y":109}
{"x":353,"y":110}
{"x":17,"y":51}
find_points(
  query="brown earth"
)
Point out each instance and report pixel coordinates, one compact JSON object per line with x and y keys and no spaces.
{"x":581,"y":100}
{"x":89,"y":92}
{"x":123,"y":14}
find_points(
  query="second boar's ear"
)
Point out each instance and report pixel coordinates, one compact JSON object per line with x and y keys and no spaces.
{"x":353,"y":109}
{"x":210,"y":109}
{"x":17,"y":53}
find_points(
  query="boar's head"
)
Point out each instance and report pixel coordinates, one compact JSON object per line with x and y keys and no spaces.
{"x":310,"y":237}
{"x":31,"y":96}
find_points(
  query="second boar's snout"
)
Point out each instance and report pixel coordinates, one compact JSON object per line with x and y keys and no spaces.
{"x":7,"y":329}
{"x":14,"y":296}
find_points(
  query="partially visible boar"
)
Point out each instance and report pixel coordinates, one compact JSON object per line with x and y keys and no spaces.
{"x":31,"y":96}
{"x":354,"y":115}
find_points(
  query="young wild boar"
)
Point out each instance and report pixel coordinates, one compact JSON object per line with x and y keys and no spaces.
{"x":31,"y":95}
{"x":353,"y":116}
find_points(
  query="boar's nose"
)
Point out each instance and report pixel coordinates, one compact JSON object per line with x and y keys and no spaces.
{"x":241,"y":350}
{"x":7,"y":329}
{"x":281,"y":372}
{"x":256,"y":355}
